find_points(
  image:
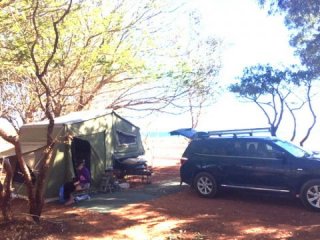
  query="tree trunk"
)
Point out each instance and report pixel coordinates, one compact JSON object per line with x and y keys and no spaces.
{"x":40,"y":187}
{"x":35,"y":192}
{"x":294,"y":131}
{"x":27,"y":177}
{"x":5,"y":191}
{"x":23,"y":166}
{"x":314,"y":116}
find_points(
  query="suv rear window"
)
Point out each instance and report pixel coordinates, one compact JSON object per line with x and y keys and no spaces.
{"x":212,"y":146}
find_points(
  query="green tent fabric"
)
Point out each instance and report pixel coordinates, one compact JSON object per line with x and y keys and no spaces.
{"x":98,"y":137}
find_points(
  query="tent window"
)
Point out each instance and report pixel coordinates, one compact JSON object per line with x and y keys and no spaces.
{"x":125,"y":138}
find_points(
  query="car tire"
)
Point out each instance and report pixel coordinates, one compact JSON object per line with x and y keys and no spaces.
{"x":205,"y":185}
{"x":310,"y":195}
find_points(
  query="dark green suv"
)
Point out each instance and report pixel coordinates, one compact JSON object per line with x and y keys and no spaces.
{"x":260,"y":163}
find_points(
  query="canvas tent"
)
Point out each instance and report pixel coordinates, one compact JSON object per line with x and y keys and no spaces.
{"x":98,"y":137}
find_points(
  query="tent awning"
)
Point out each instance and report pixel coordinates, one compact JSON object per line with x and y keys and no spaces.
{"x":71,"y":118}
{"x":25,"y":148}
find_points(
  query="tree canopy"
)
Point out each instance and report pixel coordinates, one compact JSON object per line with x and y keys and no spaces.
{"x":268,"y":88}
{"x":303,"y":20}
{"x":126,"y":52}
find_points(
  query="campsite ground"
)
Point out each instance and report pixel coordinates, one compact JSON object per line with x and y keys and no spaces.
{"x":181,"y":215}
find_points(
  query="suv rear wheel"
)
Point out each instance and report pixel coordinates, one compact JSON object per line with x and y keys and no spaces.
{"x":206,"y":185}
{"x":310,"y":195}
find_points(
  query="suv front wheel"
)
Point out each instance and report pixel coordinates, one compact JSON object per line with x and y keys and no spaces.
{"x":310,"y":195}
{"x":206,"y":185}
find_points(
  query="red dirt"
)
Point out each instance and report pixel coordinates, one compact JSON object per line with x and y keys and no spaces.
{"x":182,"y":215}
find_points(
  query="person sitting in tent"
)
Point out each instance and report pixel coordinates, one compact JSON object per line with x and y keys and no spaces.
{"x":82,"y":182}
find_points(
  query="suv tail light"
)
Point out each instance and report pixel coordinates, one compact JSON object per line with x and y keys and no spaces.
{"x":183,"y":160}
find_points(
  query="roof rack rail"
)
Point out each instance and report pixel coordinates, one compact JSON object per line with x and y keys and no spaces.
{"x":235,"y":132}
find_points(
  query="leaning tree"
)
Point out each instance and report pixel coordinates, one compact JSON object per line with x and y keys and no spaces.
{"x":302,"y":18}
{"x":272,"y":90}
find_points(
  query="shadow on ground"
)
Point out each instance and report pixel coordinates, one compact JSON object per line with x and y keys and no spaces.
{"x":105,"y":202}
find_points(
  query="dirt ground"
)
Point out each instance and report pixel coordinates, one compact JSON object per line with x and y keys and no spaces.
{"x":181,"y":215}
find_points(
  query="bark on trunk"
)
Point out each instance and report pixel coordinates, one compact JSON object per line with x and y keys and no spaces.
{"x":27,"y":176}
{"x":40,"y":187}
{"x":23,"y":166}
{"x":5,"y":190}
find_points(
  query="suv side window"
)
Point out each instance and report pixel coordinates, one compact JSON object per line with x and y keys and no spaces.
{"x":224,"y":148}
{"x":211,"y":147}
{"x":259,"y":149}
{"x":219,"y":149}
{"x":199,"y":147}
{"x":205,"y":148}
{"x":239,"y":149}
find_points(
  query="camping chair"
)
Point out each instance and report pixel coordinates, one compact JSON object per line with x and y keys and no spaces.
{"x":108,"y":182}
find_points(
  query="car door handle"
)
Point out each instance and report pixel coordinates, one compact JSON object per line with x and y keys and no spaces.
{"x":299,"y":169}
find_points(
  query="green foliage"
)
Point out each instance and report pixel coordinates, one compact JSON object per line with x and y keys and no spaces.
{"x":303,"y":19}
{"x":260,"y":80}
{"x":114,"y":47}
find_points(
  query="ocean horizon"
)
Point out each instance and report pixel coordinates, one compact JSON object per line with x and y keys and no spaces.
{"x":156,"y":134}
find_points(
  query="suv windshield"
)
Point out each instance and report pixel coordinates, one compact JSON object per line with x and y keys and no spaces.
{"x":291,"y":148}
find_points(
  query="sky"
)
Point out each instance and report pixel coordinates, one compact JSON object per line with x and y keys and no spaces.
{"x":249,"y":37}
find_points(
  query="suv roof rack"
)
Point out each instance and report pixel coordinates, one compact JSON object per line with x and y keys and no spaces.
{"x":235,"y":132}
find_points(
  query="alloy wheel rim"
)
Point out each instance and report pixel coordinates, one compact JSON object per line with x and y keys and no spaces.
{"x":313,"y":196}
{"x":205,"y":185}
